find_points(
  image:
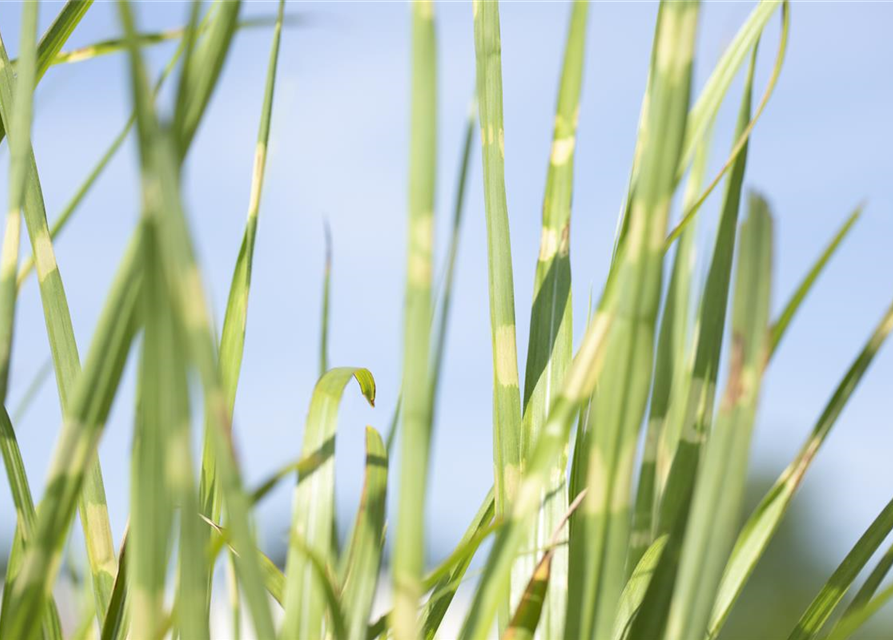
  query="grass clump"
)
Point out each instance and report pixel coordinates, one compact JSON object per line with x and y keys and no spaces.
{"x":619,"y":466}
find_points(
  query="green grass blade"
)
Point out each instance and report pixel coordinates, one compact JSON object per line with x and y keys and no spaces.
{"x":409,"y":554}
{"x":863,"y":598}
{"x":710,"y":99}
{"x":314,"y":504}
{"x":597,"y":568}
{"x":506,"y":395}
{"x":850,"y":624}
{"x":815,"y":616}
{"x":326,"y":295}
{"x":672,"y":374}
{"x":530,"y":607}
{"x":117,"y":621}
{"x":363,"y":556}
{"x":577,"y":387}
{"x":741,"y":142}
{"x":161,"y":153}
{"x":719,"y":491}
{"x":764,"y":521}
{"x":550,"y":345}
{"x":445,"y":588}
{"x":711,"y":327}
{"x":636,"y":588}
{"x":94,"y":512}
{"x":784,"y":319}
{"x":55,"y":37}
{"x":75,"y":450}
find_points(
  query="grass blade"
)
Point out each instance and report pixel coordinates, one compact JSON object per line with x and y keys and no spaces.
{"x":550,"y":345}
{"x":314,"y":504}
{"x":850,"y":624}
{"x":416,"y":406}
{"x":764,"y":521}
{"x":784,"y":319}
{"x":363,"y":556}
{"x":815,"y":616}
{"x":863,"y":598}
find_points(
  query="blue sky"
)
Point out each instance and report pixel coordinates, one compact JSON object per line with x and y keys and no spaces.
{"x":339,"y":151}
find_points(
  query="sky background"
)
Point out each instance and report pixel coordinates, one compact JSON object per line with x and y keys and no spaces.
{"x":338,"y":151}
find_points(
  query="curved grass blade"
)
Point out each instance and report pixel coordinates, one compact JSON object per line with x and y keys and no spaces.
{"x":314,"y":504}
{"x":784,"y":319}
{"x":409,"y":550}
{"x":710,"y":99}
{"x":815,"y":616}
{"x":741,"y":142}
{"x":94,"y":512}
{"x":117,"y":621}
{"x":719,"y":489}
{"x":764,"y":521}
{"x":550,"y":345}
{"x":363,"y":556}
{"x":603,"y":521}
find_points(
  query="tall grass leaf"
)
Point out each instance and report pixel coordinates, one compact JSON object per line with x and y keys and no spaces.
{"x":603,"y":521}
{"x":719,"y":489}
{"x":363,"y":556}
{"x":506,"y":394}
{"x":764,"y":521}
{"x":741,"y":142}
{"x":314,"y":503}
{"x":815,"y":616}
{"x":672,"y":374}
{"x":409,"y":550}
{"x":550,"y":345}
{"x":94,"y":512}
{"x":780,"y":325}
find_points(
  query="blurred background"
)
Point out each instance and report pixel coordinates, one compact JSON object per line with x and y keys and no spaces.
{"x":339,"y":153}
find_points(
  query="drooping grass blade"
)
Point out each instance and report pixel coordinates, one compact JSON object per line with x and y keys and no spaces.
{"x":314,"y":504}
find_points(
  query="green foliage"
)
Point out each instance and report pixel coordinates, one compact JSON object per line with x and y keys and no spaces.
{"x":579,"y":552}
